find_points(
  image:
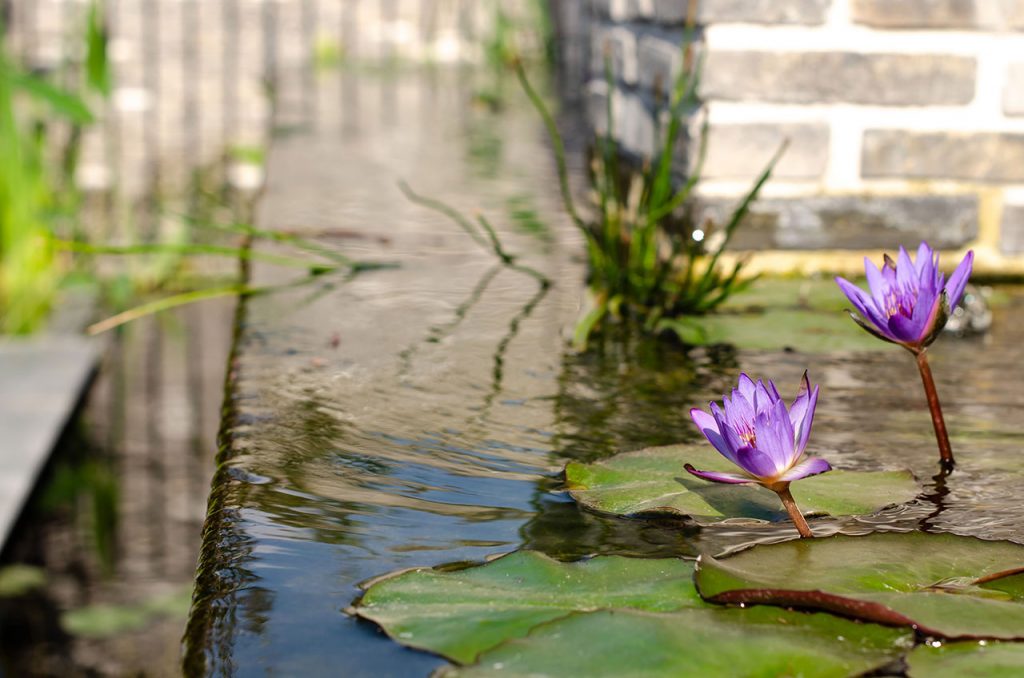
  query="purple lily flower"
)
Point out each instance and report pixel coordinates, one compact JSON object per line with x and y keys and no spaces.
{"x":754,"y":430}
{"x":909,"y":304}
{"x":910,"y":301}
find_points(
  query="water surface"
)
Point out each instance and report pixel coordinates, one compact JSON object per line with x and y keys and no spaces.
{"x":421,"y":415}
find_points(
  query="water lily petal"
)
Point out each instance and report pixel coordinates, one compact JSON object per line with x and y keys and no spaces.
{"x":727,"y":430}
{"x":905,"y":329}
{"x":927,"y":264}
{"x":801,"y":414}
{"x":876,"y":282}
{"x":764,"y":400}
{"x":811,"y":466}
{"x":719,"y":477}
{"x":746,"y":387}
{"x":926,"y":311}
{"x":880,"y":331}
{"x":925,"y":255}
{"x":865,"y":305}
{"x":957,"y":281}
{"x":709,"y":427}
{"x":738,"y":411}
{"x":782,"y":427}
{"x":906,"y":274}
{"x":756,"y":462}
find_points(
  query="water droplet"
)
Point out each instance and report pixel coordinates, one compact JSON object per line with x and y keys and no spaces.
{"x":936,"y":643}
{"x":698,"y":235}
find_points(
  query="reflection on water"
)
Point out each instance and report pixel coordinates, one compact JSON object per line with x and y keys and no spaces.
{"x":420,"y":416}
{"x":112,"y":528}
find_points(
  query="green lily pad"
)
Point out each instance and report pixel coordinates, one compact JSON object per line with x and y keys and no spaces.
{"x":459,"y":614}
{"x":754,"y":642}
{"x":943,"y":585}
{"x":966,"y":660}
{"x":525,"y":613}
{"x":653,"y":481}
{"x":807,"y":331}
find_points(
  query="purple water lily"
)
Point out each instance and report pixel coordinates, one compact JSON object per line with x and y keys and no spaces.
{"x":754,"y":430}
{"x":910,"y":301}
{"x":909,"y":304}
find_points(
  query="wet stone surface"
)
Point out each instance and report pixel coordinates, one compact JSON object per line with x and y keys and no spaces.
{"x":420,"y":415}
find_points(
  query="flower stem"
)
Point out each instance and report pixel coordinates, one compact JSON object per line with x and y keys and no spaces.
{"x":941,"y":437}
{"x":794,"y":512}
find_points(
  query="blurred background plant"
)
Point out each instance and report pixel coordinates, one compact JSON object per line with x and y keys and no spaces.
{"x":649,"y":263}
{"x":40,"y":132}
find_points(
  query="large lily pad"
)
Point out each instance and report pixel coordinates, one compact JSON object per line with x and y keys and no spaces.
{"x":653,"y":480}
{"x":611,"y":615}
{"x":458,"y":614}
{"x":966,"y":660}
{"x":701,"y":642}
{"x":943,"y":585}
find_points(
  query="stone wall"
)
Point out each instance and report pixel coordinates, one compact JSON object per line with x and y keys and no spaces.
{"x":905,"y":118}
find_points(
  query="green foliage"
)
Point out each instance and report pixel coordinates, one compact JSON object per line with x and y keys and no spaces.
{"x":37,"y":195}
{"x":647,"y":261}
{"x":943,"y":585}
{"x":17,"y":580}
{"x":758,"y":642}
{"x":459,"y":614}
{"x":652,"y":481}
{"x":977,"y":659}
{"x":526,"y":614}
{"x":105,"y":621}
{"x":97,"y":67}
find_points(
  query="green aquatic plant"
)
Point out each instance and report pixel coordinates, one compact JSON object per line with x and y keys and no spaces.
{"x":648,"y":261}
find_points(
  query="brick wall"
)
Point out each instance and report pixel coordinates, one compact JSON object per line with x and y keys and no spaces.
{"x":905,"y":117}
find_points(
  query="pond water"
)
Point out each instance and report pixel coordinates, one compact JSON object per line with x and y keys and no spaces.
{"x":420,"y":415}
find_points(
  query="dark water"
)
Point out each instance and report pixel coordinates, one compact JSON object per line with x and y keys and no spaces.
{"x":420,"y":416}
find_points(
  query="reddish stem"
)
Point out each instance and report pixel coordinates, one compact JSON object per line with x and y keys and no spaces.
{"x":941,"y":436}
{"x":793,"y":511}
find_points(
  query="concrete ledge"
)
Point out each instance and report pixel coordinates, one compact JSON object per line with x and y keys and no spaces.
{"x":41,"y":381}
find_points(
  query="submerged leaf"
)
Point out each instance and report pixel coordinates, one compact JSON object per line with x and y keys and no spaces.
{"x":653,"y":481}
{"x":943,"y":585}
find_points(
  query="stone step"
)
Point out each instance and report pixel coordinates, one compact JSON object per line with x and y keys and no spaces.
{"x":41,"y":381}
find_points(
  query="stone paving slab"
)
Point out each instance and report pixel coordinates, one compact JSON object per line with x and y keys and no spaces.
{"x":41,"y":381}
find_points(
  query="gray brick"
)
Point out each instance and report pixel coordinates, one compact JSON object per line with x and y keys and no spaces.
{"x":850,"y":222}
{"x":808,"y":12}
{"x":634,"y":122}
{"x":823,"y":77}
{"x":1013,"y":90}
{"x":619,"y":45}
{"x":617,"y":10}
{"x":659,"y":62}
{"x":743,"y":151}
{"x":952,"y":14}
{"x":673,"y":12}
{"x":972,"y":156}
{"x":914,"y":13}
{"x":1011,"y":230}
